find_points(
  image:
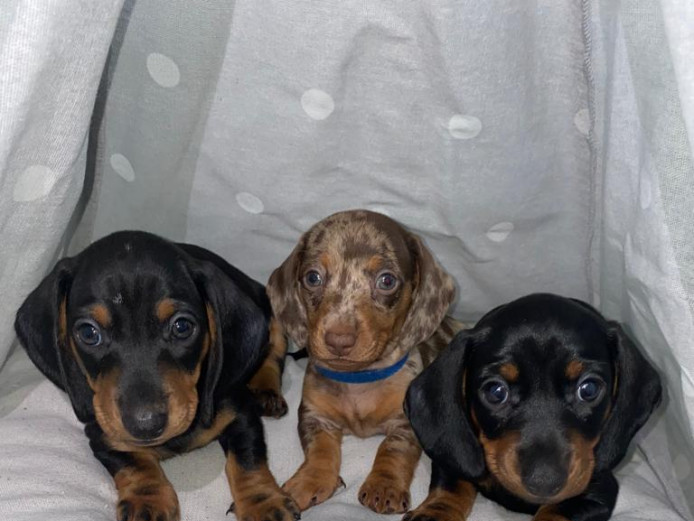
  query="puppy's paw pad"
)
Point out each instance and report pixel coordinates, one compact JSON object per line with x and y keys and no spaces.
{"x":154,"y":504}
{"x":384,"y":496}
{"x":310,"y":488}
{"x":275,"y":506}
{"x":272,"y":404}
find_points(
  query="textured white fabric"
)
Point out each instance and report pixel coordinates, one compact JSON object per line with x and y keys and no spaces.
{"x":52,"y":54}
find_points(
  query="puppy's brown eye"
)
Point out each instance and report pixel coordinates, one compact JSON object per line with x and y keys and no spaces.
{"x":182,"y":328}
{"x":387,"y":282}
{"x":313,"y":279}
{"x":494,"y":392}
{"x":589,"y":389}
{"x":88,"y":333}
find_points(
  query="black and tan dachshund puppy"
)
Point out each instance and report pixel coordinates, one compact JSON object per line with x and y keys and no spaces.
{"x":154,"y":343}
{"x":533,"y":408}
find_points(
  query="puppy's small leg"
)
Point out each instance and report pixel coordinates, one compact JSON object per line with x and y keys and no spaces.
{"x":256,"y":494}
{"x":266,"y":384}
{"x":594,"y":504}
{"x":319,"y":475}
{"x":387,"y":487}
{"x":449,"y":499}
{"x":144,"y":493}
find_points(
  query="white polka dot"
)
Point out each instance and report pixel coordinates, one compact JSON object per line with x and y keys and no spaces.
{"x":582,"y":121}
{"x":682,"y":467}
{"x":34,"y":183}
{"x":646,"y":193}
{"x":123,"y":167}
{"x":500,"y":231}
{"x":163,"y":70}
{"x":249,"y":202}
{"x":317,"y":104}
{"x":463,"y":126}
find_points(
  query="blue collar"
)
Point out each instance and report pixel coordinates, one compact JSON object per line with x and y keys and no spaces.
{"x":362,"y":377}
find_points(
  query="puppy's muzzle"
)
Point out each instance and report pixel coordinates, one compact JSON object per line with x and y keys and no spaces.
{"x":544,"y":468}
{"x":340,"y":341}
{"x":144,"y":413}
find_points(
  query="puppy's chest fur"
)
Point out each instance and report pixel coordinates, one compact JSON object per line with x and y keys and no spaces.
{"x":372,"y":408}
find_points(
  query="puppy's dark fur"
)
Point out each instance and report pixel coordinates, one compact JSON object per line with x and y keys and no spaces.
{"x":154,"y":342}
{"x":533,"y":408}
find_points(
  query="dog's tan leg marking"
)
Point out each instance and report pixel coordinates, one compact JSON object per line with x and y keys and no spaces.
{"x":319,"y":475}
{"x":266,"y":384}
{"x":144,"y":492}
{"x":445,"y":505}
{"x":387,"y":487}
{"x":256,"y":495}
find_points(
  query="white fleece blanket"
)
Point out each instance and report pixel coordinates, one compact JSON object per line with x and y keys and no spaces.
{"x":47,"y":471}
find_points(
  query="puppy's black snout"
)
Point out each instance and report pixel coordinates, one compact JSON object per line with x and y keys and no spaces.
{"x":145,"y":422}
{"x":544,"y":479}
{"x":544,"y":469}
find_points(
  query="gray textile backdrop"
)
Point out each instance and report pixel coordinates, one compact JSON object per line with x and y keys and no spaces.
{"x":542,"y":145}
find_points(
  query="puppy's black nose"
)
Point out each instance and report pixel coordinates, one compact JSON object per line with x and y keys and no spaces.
{"x":145,"y":422}
{"x":544,"y":479}
{"x":340,"y":342}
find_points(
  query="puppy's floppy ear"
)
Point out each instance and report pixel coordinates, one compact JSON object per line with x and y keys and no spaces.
{"x":283,"y":289}
{"x":434,"y":291}
{"x":638,"y":392}
{"x":435,"y":407}
{"x":238,"y":323}
{"x":41,"y":325}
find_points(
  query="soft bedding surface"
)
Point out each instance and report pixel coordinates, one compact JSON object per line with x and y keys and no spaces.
{"x":47,"y":470}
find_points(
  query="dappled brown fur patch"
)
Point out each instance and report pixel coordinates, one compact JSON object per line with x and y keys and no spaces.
{"x":319,"y":476}
{"x":387,"y":487}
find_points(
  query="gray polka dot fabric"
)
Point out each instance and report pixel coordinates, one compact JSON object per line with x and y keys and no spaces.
{"x":534,"y":146}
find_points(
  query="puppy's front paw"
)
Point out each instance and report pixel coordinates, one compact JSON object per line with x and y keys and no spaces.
{"x":435,"y":510}
{"x":309,"y":488}
{"x":384,"y":496}
{"x":272,"y":403}
{"x":155,"y":502}
{"x":274,"y":506}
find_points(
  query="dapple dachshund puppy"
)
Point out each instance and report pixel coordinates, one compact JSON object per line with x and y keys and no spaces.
{"x":533,"y":408}
{"x":369,"y":302}
{"x":154,"y":342}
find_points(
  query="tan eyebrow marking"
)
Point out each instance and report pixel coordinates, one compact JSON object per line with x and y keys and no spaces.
{"x":509,"y":371}
{"x":574,"y":369}
{"x":165,"y":308}
{"x":101,"y":314}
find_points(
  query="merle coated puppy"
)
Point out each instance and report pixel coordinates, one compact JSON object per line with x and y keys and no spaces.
{"x":154,"y":343}
{"x":533,"y":408}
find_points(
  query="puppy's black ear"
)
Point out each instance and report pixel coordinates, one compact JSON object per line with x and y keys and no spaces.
{"x":41,"y":325}
{"x":435,"y":406}
{"x":637,"y":392}
{"x":238,"y":322}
